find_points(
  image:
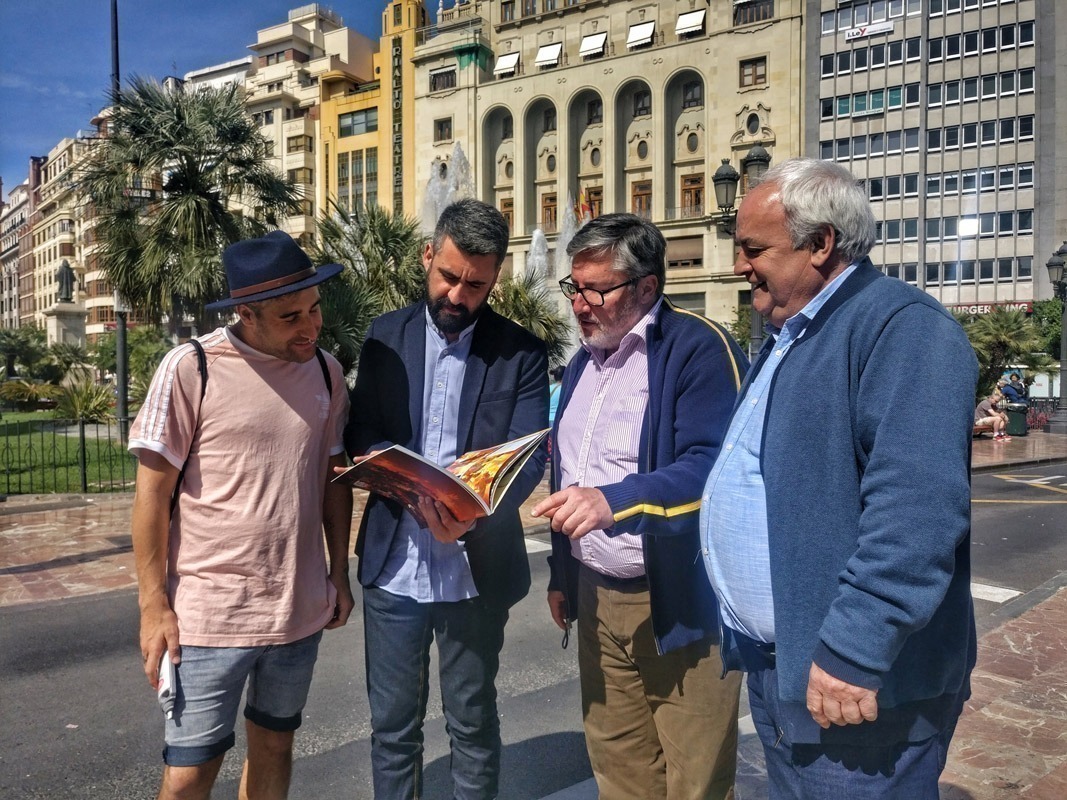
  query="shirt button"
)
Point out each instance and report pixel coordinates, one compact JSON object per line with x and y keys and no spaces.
{"x":440,"y":385}
{"x":777,"y":352}
{"x":435,"y":419}
{"x":729,"y":447}
{"x":755,"y":400}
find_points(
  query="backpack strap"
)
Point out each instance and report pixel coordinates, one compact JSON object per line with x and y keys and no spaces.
{"x":325,"y":370}
{"x":201,"y":367}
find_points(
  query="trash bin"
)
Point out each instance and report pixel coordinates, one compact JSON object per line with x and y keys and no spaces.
{"x":1016,"y":418}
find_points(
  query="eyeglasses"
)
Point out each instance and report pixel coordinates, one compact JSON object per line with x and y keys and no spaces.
{"x":594,"y":297}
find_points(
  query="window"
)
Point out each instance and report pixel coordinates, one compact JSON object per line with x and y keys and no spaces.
{"x":1026,"y":175}
{"x":913,"y":48}
{"x":357,"y":122}
{"x":548,"y":211}
{"x":987,"y":224}
{"x":507,"y":10}
{"x":641,"y":199}
{"x":692,"y":195}
{"x":987,"y":179}
{"x":952,"y":46}
{"x":936,"y":49}
{"x":877,"y":144}
{"x":304,"y":175}
{"x":690,"y":23}
{"x":1006,"y":223}
{"x":1007,"y":36}
{"x":892,"y":187}
{"x":1026,"y":221}
{"x":896,"y":52}
{"x":989,"y":132}
{"x":911,"y":229}
{"x":933,"y":271}
{"x":548,"y":120}
{"x":970,"y":89}
{"x":506,"y":64}
{"x":596,"y":200}
{"x":892,"y":141}
{"x":875,"y":188}
{"x":1004,"y":268}
{"x":594,"y":111}
{"x":859,"y":59}
{"x":829,"y":23}
{"x":877,"y":55}
{"x":1025,"y":266}
{"x":952,"y":137}
{"x":593,"y":45}
{"x":985,"y":269}
{"x":1026,"y":33}
{"x":989,"y":86}
{"x":548,"y":56}
{"x":441,"y":79}
{"x":970,"y":43}
{"x":826,"y":65}
{"x":933,"y":94}
{"x":911,"y":94}
{"x":299,"y":144}
{"x":844,"y":61}
{"x":891,"y":230}
{"x":933,"y":139}
{"x":753,"y":72}
{"x":1026,"y":81}
{"x":1006,"y":178}
{"x":933,"y":185}
{"x":507,"y":127}
{"x":692,"y":94}
{"x":1026,"y":128}
{"x":952,"y":92}
{"x":970,"y":134}
{"x":842,"y":149}
{"x":642,"y":104}
{"x":442,"y":130}
{"x":826,"y":108}
{"x":640,"y":34}
{"x":826,"y":150}
{"x":968,"y":179}
{"x":989,"y":40}
{"x":859,"y":146}
{"x":1007,"y":129}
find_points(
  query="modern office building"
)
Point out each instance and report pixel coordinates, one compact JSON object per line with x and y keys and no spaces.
{"x":614,"y":106}
{"x":947,"y":109}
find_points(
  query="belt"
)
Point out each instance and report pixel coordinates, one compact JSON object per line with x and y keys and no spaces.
{"x":636,"y":583}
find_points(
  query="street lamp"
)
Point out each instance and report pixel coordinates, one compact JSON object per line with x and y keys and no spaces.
{"x":1057,"y":422}
{"x":755,"y":164}
{"x":725,"y":180}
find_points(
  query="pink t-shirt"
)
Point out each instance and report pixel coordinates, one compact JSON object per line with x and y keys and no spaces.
{"x":247,"y":562}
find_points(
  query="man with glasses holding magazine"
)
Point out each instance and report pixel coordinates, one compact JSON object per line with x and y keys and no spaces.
{"x":641,"y":415}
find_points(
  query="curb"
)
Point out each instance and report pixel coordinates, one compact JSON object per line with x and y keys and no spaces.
{"x":1022,"y":462}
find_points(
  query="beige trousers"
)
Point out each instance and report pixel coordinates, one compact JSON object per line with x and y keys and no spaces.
{"x":656,"y":726}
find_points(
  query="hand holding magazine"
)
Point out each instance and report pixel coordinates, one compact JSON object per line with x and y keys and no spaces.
{"x":471,"y":487}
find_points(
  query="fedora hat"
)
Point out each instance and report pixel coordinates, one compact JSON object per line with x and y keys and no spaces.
{"x":270,"y":266}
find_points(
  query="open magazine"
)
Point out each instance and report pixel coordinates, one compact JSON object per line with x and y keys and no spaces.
{"x":471,"y":487}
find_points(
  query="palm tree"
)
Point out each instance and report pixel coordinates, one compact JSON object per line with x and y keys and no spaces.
{"x":180,"y":175}
{"x":381,"y":252}
{"x":1000,"y":338}
{"x":526,"y":300}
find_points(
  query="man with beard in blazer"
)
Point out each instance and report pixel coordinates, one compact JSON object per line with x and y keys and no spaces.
{"x":444,"y":377}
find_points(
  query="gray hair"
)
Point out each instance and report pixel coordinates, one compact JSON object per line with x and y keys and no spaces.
{"x":476,"y":228}
{"x":819,"y":194}
{"x":635,"y":245}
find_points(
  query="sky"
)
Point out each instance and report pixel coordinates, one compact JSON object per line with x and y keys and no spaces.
{"x":55,"y":57}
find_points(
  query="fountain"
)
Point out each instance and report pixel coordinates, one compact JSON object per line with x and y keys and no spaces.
{"x":537,"y":258}
{"x":568,"y":226}
{"x":450,"y":180}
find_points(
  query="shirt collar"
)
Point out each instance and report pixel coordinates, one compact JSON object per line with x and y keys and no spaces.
{"x":796,"y":323}
{"x":639,"y":332}
{"x":440,"y":337}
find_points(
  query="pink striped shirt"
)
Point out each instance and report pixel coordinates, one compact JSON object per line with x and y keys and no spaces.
{"x":600,"y":437}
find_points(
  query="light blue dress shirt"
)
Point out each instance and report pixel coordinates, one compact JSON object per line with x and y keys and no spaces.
{"x":733,"y":509}
{"x":419,"y":566}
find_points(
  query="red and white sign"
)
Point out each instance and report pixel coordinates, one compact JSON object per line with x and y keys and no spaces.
{"x":985,"y":308}
{"x":873,"y":29}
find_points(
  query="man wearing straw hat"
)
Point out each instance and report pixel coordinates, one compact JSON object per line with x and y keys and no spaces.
{"x":236,"y":440}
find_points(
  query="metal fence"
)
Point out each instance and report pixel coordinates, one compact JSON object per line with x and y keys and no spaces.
{"x":64,"y":455}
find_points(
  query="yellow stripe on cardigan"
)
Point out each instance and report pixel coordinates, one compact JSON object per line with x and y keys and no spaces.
{"x":659,"y":511}
{"x":718,"y":332}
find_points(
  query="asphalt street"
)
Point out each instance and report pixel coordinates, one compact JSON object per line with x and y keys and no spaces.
{"x":81,"y":722}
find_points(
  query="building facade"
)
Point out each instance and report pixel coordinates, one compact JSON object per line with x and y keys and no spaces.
{"x":14,"y":226}
{"x":947,"y":110}
{"x":615,"y":106}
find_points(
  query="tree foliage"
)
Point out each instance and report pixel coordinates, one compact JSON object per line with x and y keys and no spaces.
{"x":168,"y":184}
{"x":526,"y":301}
{"x":1000,"y":338}
{"x":1048,"y":317}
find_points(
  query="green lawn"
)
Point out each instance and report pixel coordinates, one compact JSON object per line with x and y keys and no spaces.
{"x":41,"y":455}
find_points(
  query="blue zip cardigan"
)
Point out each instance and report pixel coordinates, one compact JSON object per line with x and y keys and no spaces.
{"x":695,"y":369}
{"x":868,"y":506}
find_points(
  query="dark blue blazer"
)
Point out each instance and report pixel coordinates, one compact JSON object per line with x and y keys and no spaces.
{"x":504,"y":396}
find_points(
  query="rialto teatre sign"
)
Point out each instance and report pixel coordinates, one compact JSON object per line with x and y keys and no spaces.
{"x":985,"y":308}
{"x":868,"y":30}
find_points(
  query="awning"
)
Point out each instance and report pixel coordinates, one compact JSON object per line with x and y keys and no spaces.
{"x":439,"y":70}
{"x":690,"y":22}
{"x":506,"y":64}
{"x":641,"y":34}
{"x":592,"y":45}
{"x":548,"y":55}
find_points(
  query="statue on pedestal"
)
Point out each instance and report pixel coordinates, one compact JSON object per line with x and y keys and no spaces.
{"x":65,"y":278}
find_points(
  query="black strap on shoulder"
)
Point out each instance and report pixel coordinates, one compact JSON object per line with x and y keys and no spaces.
{"x":201,"y":367}
{"x":325,"y":370}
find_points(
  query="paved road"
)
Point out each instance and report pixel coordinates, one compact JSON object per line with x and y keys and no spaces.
{"x":79,"y":722}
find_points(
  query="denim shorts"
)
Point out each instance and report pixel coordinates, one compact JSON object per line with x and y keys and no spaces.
{"x":210,"y":682}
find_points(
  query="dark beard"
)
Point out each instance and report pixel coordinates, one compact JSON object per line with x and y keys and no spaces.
{"x":451,"y":323}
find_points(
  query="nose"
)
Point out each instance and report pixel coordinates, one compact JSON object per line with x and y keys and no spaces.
{"x":579,"y":304}
{"x":741,"y":265}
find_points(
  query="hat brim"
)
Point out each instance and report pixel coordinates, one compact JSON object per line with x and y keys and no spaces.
{"x":322,"y":273}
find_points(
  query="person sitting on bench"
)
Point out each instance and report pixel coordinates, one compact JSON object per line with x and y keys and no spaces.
{"x":986,"y":413}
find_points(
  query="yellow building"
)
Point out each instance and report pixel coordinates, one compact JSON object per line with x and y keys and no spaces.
{"x":367,"y":128}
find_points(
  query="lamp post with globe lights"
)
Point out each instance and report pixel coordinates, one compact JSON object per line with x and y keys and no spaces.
{"x":1057,"y":422}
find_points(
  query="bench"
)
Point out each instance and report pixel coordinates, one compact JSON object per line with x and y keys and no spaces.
{"x":980,"y":429}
